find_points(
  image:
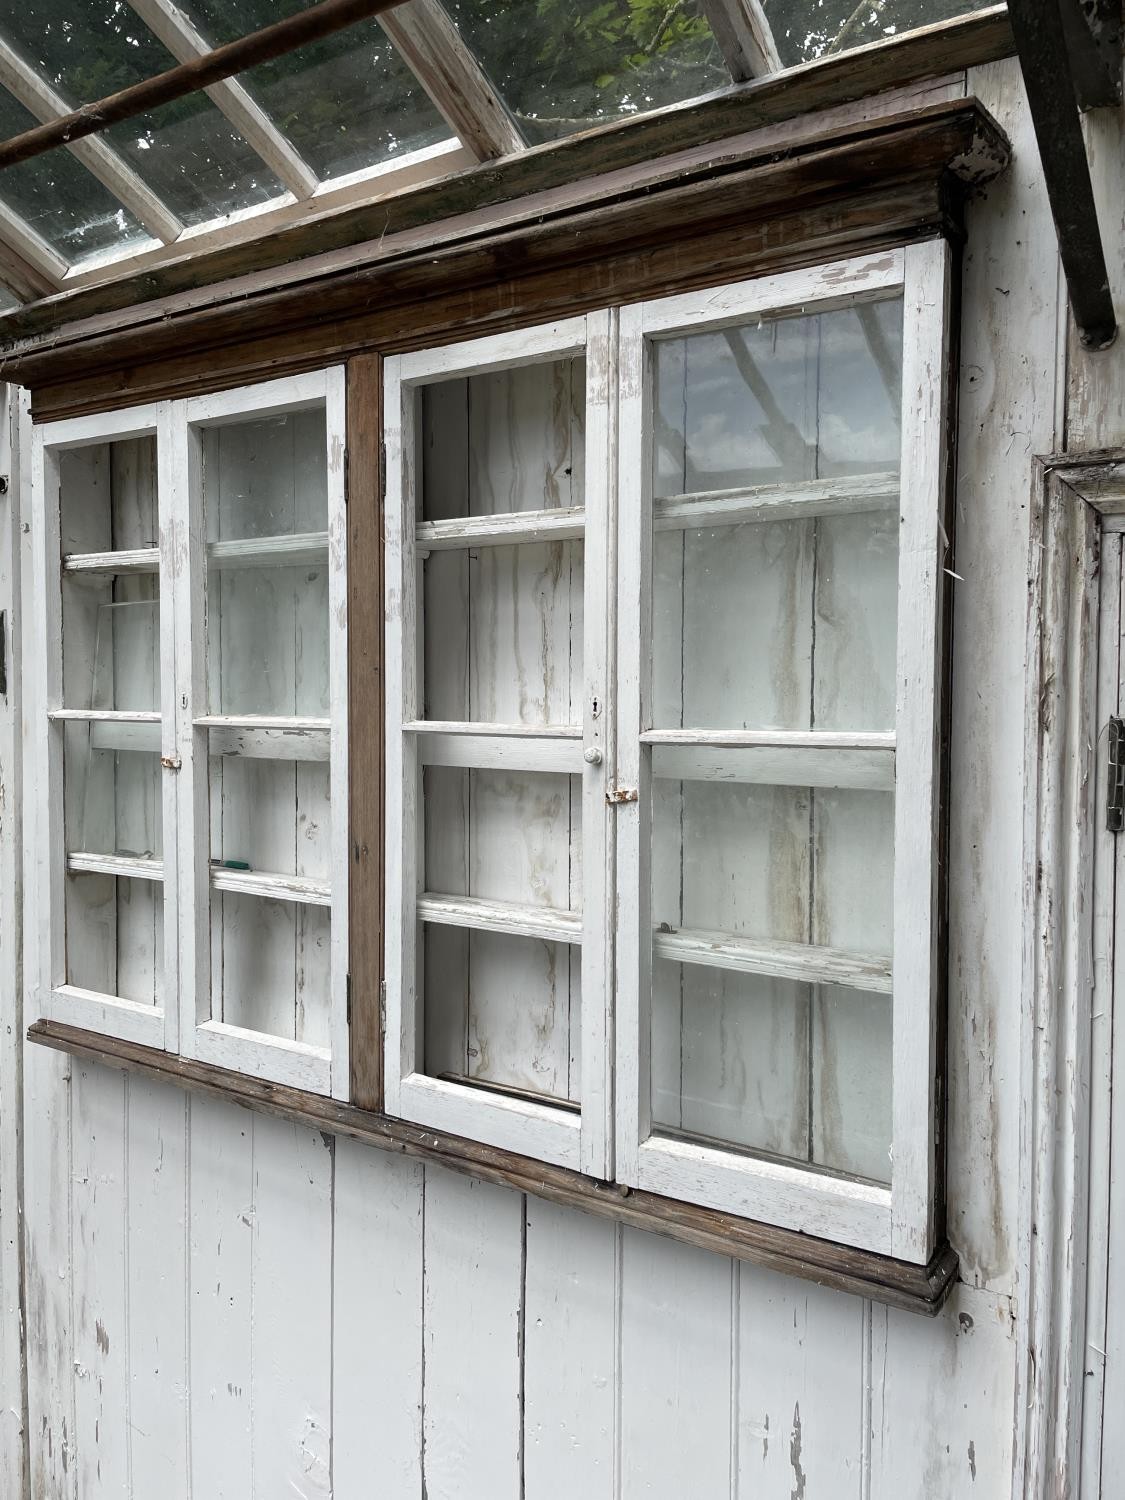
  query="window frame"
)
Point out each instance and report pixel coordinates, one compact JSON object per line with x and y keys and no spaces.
{"x":152,"y":1025}
{"x":898,"y":1220}
{"x":183,"y":1025}
{"x":577,"y":1140}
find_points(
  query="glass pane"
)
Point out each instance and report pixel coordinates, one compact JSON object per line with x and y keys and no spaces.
{"x":346,"y":103}
{"x":111,"y":641}
{"x":793,"y":1069}
{"x":803,"y":32}
{"x":270,"y":816}
{"x":112,"y":790}
{"x":115,"y":936}
{"x":801,"y":1072}
{"x":108,"y":496}
{"x":502,"y":1010}
{"x":502,"y":626}
{"x":777,"y":625}
{"x":502,"y":1007}
{"x":794,"y":864}
{"x":788,"y":399}
{"x":185,"y":151}
{"x":64,"y":203}
{"x":271,"y":966}
{"x":563,"y":67}
{"x":264,"y":485}
{"x":505,"y":441}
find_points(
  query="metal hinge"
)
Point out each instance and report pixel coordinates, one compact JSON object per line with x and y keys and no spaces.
{"x":1115,"y":789}
{"x":171,"y":762}
{"x":382,"y":1005}
{"x":621,"y":794}
{"x":382,"y":468}
{"x":3,"y":653}
{"x":348,"y":993}
{"x":347,"y":474}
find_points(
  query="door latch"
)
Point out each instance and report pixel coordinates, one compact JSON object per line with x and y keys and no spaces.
{"x":1115,"y":789}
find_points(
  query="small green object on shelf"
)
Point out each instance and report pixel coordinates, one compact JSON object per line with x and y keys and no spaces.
{"x":235,"y":864}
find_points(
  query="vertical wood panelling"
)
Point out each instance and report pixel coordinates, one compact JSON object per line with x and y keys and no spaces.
{"x":221,"y":1203}
{"x":291,"y":1286}
{"x":157,"y":1289}
{"x":570,"y":1353}
{"x":98,"y":1295}
{"x":941,"y":1404}
{"x":800,"y":1389}
{"x":473,"y":1297}
{"x":677,"y":1370}
{"x":377,"y":1325}
{"x":1007,"y":385}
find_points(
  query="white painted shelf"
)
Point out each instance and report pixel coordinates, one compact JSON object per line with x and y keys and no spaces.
{"x":848,"y":495}
{"x":803,"y":962}
{"x":271,"y":887}
{"x":134,"y":866}
{"x":518,"y":527}
{"x":270,"y":551}
{"x":133,"y":560}
{"x":501,"y":916}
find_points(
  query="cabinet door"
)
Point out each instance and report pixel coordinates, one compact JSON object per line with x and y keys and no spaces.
{"x":263,"y":730}
{"x":105,"y":726}
{"x":779,"y":618}
{"x":497,"y":732}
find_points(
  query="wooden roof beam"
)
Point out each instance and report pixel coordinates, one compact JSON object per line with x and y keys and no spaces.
{"x":1037,"y":26}
{"x":744,"y":36}
{"x":34,"y":93}
{"x":184,"y":42}
{"x":1093,"y":40}
{"x":443,"y":64}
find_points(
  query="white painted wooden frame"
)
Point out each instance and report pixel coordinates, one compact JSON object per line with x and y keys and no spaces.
{"x":576,"y":1140}
{"x":898,"y":1220}
{"x":153,"y":1025}
{"x":299,"y":1064}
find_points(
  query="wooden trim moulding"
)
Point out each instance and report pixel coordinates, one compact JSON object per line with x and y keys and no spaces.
{"x":871,"y":186}
{"x":929,"y":52}
{"x":920,"y":1289}
{"x":365,"y":715}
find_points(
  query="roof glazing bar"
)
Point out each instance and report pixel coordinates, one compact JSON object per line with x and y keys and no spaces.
{"x":28,"y":265}
{"x":744,"y":36}
{"x":185,"y":43}
{"x":436,"y":53}
{"x":35,"y":93}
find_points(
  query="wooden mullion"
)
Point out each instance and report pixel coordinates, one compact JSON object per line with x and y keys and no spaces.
{"x":366,"y":792}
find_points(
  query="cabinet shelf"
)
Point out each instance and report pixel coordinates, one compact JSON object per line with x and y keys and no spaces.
{"x":270,"y":551}
{"x":545,"y":922}
{"x":133,"y":866}
{"x":271,"y":887}
{"x":848,"y":495}
{"x":517,"y":528}
{"x":803,"y":962}
{"x":132,"y":560}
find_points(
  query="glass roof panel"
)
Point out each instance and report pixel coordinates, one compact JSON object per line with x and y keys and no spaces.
{"x":563,"y":66}
{"x":804,"y":31}
{"x":346,"y":102}
{"x":186,"y":151}
{"x":61,"y":200}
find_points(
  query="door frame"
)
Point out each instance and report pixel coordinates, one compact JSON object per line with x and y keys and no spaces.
{"x":1073,"y":500}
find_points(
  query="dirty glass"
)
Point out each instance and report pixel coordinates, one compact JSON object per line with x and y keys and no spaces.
{"x":185,"y":151}
{"x":563,"y":68}
{"x":346,"y":102}
{"x":60,"y":200}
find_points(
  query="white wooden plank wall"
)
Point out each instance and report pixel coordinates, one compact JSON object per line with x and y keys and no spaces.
{"x":219,"y":1305}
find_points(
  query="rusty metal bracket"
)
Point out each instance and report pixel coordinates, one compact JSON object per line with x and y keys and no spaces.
{"x":620,"y":794}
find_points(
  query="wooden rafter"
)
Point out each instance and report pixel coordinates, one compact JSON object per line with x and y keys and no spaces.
{"x":1037,"y":26}
{"x":744,"y":36}
{"x":436,"y":54}
{"x":168,"y":22}
{"x":34,"y":93}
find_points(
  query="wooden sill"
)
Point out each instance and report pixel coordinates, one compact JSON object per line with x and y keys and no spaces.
{"x":921,"y":1289}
